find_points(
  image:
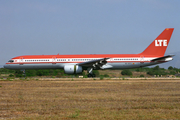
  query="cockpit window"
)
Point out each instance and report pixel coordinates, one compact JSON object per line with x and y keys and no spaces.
{"x":11,"y":61}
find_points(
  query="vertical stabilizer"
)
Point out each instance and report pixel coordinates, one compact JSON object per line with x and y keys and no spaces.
{"x":159,"y":45}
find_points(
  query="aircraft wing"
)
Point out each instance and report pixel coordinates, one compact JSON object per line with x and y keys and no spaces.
{"x":162,"y":58}
{"x":94,"y":63}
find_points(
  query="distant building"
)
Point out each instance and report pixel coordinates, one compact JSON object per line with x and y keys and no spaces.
{"x":177,"y":75}
{"x":171,"y":76}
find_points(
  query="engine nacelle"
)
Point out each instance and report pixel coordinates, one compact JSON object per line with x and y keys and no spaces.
{"x":72,"y":69}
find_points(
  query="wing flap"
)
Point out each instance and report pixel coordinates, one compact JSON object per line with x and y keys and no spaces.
{"x":94,"y":63}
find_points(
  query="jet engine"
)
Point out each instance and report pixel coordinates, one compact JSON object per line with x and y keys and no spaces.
{"x":72,"y":69}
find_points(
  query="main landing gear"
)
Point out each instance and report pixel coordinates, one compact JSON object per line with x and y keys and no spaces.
{"x":91,"y":74}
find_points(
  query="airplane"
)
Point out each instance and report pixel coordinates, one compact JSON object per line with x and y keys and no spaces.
{"x":75,"y":64}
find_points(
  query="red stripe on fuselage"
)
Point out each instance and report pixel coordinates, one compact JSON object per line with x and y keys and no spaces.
{"x":78,"y":62}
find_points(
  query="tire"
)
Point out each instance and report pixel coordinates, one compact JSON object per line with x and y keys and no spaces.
{"x":89,"y":75}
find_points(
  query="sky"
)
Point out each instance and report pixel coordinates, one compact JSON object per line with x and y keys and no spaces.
{"x":37,"y":27}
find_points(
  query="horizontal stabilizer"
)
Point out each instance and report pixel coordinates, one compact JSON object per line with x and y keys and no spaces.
{"x":162,"y":58}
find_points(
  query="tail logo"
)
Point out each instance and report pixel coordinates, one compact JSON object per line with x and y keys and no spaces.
{"x":160,"y":42}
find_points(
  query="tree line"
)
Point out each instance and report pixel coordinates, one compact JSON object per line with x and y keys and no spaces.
{"x":153,"y":71}
{"x":60,"y":73}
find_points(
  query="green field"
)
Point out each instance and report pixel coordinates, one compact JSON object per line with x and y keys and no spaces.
{"x":90,"y":99}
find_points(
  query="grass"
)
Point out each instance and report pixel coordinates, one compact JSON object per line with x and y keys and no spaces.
{"x":75,"y":115}
{"x":90,"y":99}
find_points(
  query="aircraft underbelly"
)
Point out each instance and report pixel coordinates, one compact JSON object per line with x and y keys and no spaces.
{"x":34,"y":66}
{"x":131,"y":65}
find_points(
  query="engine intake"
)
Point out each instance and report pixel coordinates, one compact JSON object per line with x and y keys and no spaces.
{"x":72,"y":69}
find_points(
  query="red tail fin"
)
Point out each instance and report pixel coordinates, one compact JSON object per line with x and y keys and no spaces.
{"x":159,"y":45}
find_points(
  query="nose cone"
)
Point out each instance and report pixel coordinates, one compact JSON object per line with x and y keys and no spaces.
{"x":6,"y":66}
{"x":11,"y":66}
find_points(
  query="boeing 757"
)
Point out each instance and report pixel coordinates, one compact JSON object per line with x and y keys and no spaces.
{"x":75,"y":64}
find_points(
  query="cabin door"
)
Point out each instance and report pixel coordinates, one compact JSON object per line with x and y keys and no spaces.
{"x":54,"y":60}
{"x":142,"y":59}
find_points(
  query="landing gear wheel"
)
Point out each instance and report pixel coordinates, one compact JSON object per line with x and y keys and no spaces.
{"x":91,"y":75}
